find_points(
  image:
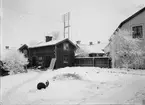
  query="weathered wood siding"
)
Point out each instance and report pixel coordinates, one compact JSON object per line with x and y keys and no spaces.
{"x":102,"y":62}
{"x":46,"y":52}
{"x":61,"y":53}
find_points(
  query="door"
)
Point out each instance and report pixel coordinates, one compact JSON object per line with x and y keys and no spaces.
{"x":34,"y":61}
{"x":66,"y":60}
{"x":47,"y":61}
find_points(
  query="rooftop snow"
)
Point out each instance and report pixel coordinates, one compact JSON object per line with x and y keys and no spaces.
{"x":95,"y":48}
{"x":53,"y":42}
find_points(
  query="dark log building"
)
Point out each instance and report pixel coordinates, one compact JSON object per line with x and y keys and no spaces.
{"x":42,"y":53}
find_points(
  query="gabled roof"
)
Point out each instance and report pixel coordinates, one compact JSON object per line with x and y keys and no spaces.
{"x":131,"y":17}
{"x":51,"y":43}
{"x":125,"y":21}
{"x":23,"y":46}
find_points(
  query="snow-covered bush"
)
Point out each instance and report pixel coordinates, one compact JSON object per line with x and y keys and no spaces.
{"x":126,"y":51}
{"x":14,"y":61}
{"x":68,"y":76}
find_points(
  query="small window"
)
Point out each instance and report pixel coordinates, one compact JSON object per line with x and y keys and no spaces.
{"x":137,"y":32}
{"x":66,"y":46}
{"x":40,"y":58}
{"x":65,"y":59}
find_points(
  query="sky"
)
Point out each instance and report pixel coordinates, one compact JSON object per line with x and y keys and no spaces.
{"x":26,"y":21}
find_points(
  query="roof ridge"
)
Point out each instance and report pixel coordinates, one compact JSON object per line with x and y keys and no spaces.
{"x":131,"y":17}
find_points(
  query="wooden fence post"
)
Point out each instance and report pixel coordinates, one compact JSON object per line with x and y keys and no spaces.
{"x":93,"y":62}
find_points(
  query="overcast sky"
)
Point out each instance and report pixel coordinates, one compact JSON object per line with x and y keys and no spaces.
{"x":91,"y":20}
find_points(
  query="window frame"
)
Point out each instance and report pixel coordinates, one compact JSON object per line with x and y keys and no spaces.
{"x":138,"y":25}
{"x":64,"y":59}
{"x":66,"y":46}
{"x":40,"y":60}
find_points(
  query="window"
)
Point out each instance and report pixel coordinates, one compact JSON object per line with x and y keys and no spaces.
{"x":137,"y":32}
{"x":40,"y":60}
{"x":65,"y":59}
{"x":66,"y":46}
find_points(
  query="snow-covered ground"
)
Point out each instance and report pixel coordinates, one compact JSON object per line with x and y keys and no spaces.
{"x":96,"y":86}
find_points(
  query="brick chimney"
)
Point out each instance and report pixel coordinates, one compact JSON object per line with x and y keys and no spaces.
{"x":48,"y":38}
{"x":78,"y":42}
{"x":90,"y":43}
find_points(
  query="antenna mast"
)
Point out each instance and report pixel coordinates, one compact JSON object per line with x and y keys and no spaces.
{"x":66,"y":19}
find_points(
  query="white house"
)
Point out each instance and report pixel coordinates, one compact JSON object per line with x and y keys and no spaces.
{"x":135,"y":24}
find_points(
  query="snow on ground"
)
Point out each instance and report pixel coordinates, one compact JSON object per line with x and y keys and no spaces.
{"x":96,"y":86}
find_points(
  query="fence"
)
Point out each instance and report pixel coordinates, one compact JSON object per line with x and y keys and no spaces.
{"x":103,"y":62}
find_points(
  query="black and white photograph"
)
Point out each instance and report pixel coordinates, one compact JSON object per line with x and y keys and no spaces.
{"x":72,"y":52}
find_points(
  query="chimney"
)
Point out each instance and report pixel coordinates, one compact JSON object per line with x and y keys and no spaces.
{"x":91,"y":43}
{"x":78,"y":42}
{"x":48,"y":38}
{"x":98,"y":42}
{"x":7,"y":47}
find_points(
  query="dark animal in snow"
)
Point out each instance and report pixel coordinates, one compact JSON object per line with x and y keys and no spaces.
{"x":42,"y":85}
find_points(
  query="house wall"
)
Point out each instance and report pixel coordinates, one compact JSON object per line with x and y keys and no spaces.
{"x":46,"y":52}
{"x":138,"y":20}
{"x":25,"y":51}
{"x":25,"y":54}
{"x":49,"y":52}
{"x":61,"y":53}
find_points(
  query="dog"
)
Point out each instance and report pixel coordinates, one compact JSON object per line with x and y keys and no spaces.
{"x":42,"y":85}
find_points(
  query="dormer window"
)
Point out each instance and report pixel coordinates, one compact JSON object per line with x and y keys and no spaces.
{"x":137,"y":32}
{"x":66,"y":46}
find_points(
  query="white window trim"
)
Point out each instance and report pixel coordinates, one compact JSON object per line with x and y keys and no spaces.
{"x":141,"y":24}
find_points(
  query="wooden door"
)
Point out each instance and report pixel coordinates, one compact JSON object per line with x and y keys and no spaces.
{"x":47,"y":61}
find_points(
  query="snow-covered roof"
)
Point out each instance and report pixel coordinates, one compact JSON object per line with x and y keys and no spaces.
{"x":22,"y":46}
{"x":53,"y":42}
{"x":87,"y":49}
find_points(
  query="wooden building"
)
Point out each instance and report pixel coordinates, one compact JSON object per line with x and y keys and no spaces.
{"x":42,"y":53}
{"x":92,"y":55}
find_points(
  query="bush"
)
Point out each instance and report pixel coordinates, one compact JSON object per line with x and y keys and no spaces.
{"x":126,"y":51}
{"x":14,"y":61}
{"x":71,"y":76}
{"x":3,"y":71}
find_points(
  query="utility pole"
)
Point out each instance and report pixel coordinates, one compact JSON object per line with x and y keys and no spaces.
{"x":1,"y":18}
{"x":66,"y":20}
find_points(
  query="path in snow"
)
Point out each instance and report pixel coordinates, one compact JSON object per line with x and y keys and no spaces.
{"x":6,"y":97}
{"x":103,"y":87}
